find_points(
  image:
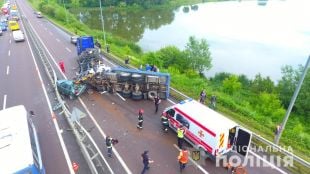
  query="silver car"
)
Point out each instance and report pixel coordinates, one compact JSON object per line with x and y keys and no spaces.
{"x":74,"y":39}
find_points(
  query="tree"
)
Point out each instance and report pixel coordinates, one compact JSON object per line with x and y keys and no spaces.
{"x":231,"y":84}
{"x":261,"y":84}
{"x":198,"y":54}
{"x":270,"y":106}
{"x":286,"y":88}
{"x":172,"y":56}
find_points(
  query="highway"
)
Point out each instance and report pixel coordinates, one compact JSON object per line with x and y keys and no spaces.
{"x":107,"y":113}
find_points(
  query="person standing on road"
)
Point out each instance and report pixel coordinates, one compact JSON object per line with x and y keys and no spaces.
{"x":156,"y":101}
{"x":109,"y":142}
{"x":146,"y":161}
{"x":140,"y":119}
{"x":165,"y":123}
{"x":183,"y":158}
{"x":62,"y":66}
{"x":180,"y":134}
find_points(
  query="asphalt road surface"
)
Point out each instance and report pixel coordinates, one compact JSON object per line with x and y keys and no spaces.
{"x":20,"y":85}
{"x":106,"y":113}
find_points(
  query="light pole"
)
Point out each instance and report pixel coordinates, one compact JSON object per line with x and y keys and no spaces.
{"x":102,"y":23}
{"x":277,"y":139}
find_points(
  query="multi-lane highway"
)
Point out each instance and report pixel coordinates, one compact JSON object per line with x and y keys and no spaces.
{"x":24,"y":82}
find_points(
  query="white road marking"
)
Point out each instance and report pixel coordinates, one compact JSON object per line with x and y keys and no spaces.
{"x":62,"y":143}
{"x":10,"y":41}
{"x":9,"y":53}
{"x":68,"y":49}
{"x":194,"y":162}
{"x":4,"y":102}
{"x":57,"y":40}
{"x":7,"y":70}
{"x":269,"y":163}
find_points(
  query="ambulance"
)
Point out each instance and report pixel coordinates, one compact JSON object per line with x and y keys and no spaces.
{"x":207,"y":130}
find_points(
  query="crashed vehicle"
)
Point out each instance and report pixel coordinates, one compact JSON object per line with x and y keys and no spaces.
{"x":70,"y":88}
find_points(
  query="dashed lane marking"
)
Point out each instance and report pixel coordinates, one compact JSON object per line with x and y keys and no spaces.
{"x":68,"y":49}
{"x":4,"y":102}
{"x":7,"y":70}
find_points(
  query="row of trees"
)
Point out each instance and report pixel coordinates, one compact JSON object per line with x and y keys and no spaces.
{"x":107,"y":3}
{"x":272,"y":97}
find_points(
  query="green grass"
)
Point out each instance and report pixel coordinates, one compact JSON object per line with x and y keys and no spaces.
{"x":233,"y":106}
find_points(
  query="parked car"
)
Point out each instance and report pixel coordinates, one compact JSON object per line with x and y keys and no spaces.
{"x":1,"y":32}
{"x":39,"y":15}
{"x":3,"y":26}
{"x":70,"y":89}
{"x":18,"y":35}
{"x":74,"y":39}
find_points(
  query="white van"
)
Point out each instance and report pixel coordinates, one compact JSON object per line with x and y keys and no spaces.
{"x":208,"y":130}
{"x":18,"y":35}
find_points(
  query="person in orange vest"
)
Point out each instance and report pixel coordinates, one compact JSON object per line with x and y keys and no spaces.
{"x":183,"y":158}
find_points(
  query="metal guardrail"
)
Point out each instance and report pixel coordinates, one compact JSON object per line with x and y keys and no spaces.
{"x":282,"y":150}
{"x":90,"y":151}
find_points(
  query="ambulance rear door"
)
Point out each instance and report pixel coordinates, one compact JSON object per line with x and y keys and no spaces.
{"x":242,"y":141}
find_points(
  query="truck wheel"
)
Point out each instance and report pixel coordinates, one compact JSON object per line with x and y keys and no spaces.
{"x":137,"y":95}
{"x":124,"y":77}
{"x":137,"y":78}
{"x":152,"y":94}
{"x":126,"y":93}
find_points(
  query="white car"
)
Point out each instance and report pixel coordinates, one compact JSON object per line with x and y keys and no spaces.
{"x":18,"y":35}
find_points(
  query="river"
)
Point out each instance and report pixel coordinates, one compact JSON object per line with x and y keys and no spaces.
{"x":245,"y":37}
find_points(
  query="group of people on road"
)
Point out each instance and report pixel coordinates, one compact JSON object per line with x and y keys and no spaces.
{"x":151,"y":68}
{"x":203,"y":97}
{"x":182,"y":156}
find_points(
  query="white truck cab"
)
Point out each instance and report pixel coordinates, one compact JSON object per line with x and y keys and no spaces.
{"x":208,"y":130}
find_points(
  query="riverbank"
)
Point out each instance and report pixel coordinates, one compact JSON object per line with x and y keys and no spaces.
{"x":241,"y":106}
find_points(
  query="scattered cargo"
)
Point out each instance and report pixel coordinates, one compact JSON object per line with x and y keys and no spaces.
{"x":130,"y":83}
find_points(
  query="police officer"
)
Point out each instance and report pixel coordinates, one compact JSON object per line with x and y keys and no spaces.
{"x":180,"y":134}
{"x":140,"y":119}
{"x":165,"y":123}
{"x":156,"y":101}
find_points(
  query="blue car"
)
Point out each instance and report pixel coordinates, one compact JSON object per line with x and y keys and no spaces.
{"x":70,"y":89}
{"x":3,"y":26}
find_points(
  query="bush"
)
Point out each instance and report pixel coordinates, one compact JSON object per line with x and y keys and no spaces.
{"x":60,"y":14}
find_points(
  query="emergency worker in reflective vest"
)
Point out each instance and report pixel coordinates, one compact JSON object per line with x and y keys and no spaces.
{"x":180,"y":134}
{"x":140,"y":119}
{"x":183,"y":158}
{"x":165,"y":123}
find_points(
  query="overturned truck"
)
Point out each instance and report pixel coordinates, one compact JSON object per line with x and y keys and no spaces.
{"x":130,"y":83}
